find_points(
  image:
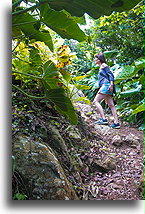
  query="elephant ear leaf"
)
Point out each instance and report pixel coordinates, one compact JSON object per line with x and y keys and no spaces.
{"x":61,"y":23}
{"x":31,"y":28}
{"x":35,"y":58}
{"x":50,"y":75}
{"x":139,"y":64}
{"x":62,"y":103}
{"x":95,"y":8}
{"x":123,"y":73}
{"x":131,"y":92}
{"x":111,"y":54}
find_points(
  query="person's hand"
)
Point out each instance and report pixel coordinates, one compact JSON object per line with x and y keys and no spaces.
{"x":111,"y":88}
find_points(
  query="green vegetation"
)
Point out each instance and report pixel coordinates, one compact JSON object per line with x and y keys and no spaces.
{"x":52,"y":56}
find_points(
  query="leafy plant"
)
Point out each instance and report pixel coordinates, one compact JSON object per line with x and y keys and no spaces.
{"x":20,"y":196}
{"x":47,"y":75}
{"x":121,"y":31}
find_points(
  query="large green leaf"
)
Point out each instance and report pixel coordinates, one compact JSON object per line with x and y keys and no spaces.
{"x":27,"y":24}
{"x":50,"y":75}
{"x":35,"y":58}
{"x":63,"y":103}
{"x":61,"y":23}
{"x":66,"y":75}
{"x":131,"y":92}
{"x":139,"y":64}
{"x":123,"y":73}
{"x":79,"y":77}
{"x":82,"y":87}
{"x":110,"y":54}
{"x":95,"y":8}
{"x":140,"y":108}
{"x":16,"y":33}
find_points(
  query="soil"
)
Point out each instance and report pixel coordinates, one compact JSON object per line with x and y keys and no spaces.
{"x":122,"y":182}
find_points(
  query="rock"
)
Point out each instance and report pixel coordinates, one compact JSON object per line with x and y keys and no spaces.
{"x":105,"y":165}
{"x":102,"y":129}
{"x":55,"y":141}
{"x":73,"y":133}
{"x":37,"y":163}
{"x":117,"y":141}
{"x":132,"y":140}
{"x":115,"y":186}
{"x":85,"y":108}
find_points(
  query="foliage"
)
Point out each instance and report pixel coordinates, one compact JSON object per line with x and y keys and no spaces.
{"x":33,"y":25}
{"x":19,"y":196}
{"x":47,"y":76}
{"x":95,"y":9}
{"x":129,"y":87}
{"x":40,"y":65}
{"x":123,"y":32}
{"x":107,"y":34}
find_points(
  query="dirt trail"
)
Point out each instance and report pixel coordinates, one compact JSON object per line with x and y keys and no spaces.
{"x":115,"y":160}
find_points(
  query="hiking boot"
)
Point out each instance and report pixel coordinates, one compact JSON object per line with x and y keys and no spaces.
{"x":102,"y":121}
{"x":115,"y":126}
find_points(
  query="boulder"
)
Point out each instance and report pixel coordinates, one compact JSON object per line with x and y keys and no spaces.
{"x":55,"y":141}
{"x":73,"y":133}
{"x":131,"y":140}
{"x":102,"y":129}
{"x":36,"y":162}
{"x":117,"y":141}
{"x":105,"y":165}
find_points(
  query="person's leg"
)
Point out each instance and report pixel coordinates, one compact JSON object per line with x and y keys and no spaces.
{"x":111,"y":105}
{"x":97,"y":100}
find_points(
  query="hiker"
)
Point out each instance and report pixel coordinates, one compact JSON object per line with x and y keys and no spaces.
{"x":106,"y":82}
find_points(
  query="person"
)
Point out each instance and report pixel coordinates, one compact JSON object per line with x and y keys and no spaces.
{"x":106,"y":81}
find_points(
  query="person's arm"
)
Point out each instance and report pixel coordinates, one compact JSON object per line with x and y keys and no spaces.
{"x":103,"y":65}
{"x":111,"y":86}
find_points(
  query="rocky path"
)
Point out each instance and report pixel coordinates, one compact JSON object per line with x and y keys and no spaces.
{"x":114,"y":160}
{"x":56,"y":160}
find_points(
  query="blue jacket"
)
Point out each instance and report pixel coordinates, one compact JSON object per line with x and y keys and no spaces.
{"x":105,"y":75}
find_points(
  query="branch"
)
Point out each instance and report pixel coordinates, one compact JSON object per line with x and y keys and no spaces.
{"x":25,"y":23}
{"x":28,"y":95}
{"x":20,"y":36}
{"x":30,"y":75}
{"x":21,"y":59}
{"x":16,"y":3}
{"x":28,"y":9}
{"x":16,"y":46}
{"x":24,"y":11}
